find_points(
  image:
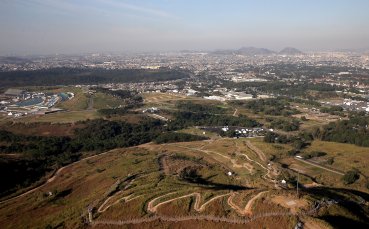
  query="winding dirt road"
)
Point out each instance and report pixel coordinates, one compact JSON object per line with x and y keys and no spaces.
{"x":197,"y":206}
{"x":256,"y":150}
{"x":248,"y":208}
{"x":103,"y":207}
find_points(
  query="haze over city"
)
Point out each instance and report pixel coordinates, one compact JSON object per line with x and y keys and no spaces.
{"x":220,"y":114}
{"x":80,"y":26}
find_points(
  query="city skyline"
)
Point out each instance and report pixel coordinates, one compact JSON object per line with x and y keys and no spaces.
{"x":69,"y":27}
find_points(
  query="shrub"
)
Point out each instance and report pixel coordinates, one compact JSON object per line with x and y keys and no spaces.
{"x":351,"y":176}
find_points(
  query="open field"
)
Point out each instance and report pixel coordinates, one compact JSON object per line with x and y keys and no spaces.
{"x":168,"y":101}
{"x":104,"y":101}
{"x":157,"y":96}
{"x":271,"y":150}
{"x":78,"y":103}
{"x":344,"y":157}
{"x":195,"y":131}
{"x":40,"y":128}
{"x":61,"y":117}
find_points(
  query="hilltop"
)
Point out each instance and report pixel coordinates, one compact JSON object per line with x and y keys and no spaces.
{"x":246,"y":51}
{"x":290,"y":51}
{"x":254,"y":51}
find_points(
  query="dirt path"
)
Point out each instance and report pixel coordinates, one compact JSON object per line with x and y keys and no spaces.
{"x":103,"y":207}
{"x":234,"y":164}
{"x":156,"y":116}
{"x":248,"y":208}
{"x":246,"y":211}
{"x":319,"y":166}
{"x":235,"y":113}
{"x":153,"y":208}
{"x":247,"y":166}
{"x":253,"y":161}
{"x":260,"y":153}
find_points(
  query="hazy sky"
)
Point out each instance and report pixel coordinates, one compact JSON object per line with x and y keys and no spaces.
{"x":75,"y":26}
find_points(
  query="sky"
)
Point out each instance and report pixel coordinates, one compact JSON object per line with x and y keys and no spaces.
{"x":120,"y":26}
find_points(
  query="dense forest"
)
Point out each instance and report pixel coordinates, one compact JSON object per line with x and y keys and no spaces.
{"x":192,"y":114}
{"x":131,"y":99}
{"x":72,"y":76}
{"x":283,"y":124}
{"x":44,"y":154}
{"x":285,"y":89}
{"x":115,"y":111}
{"x":354,"y":131}
{"x":169,"y":137}
{"x":200,"y":108}
{"x":275,"y":106}
{"x":333,"y":110}
{"x":185,"y":119}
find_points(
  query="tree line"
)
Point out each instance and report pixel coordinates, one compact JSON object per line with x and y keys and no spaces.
{"x":353,"y":131}
{"x":274,"y":106}
{"x":73,"y":76}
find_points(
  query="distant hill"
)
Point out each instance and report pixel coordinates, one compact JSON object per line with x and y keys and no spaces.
{"x":290,"y":51}
{"x":224,"y":52}
{"x":252,"y":51}
{"x":246,"y":51}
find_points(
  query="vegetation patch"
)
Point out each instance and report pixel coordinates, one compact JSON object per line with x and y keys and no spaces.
{"x":351,"y":176}
{"x":177,"y":137}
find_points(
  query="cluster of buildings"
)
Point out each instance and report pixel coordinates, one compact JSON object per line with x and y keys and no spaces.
{"x":191,"y":60}
{"x":214,"y":75}
{"x":17,"y":103}
{"x":350,"y":104}
{"x":237,"y":131}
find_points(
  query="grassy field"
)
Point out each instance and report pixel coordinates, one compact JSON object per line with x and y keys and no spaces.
{"x":196,"y":131}
{"x":168,"y":101}
{"x":40,"y":128}
{"x":62,"y":117}
{"x":344,"y":157}
{"x":78,"y":103}
{"x":271,"y":150}
{"x":104,"y":101}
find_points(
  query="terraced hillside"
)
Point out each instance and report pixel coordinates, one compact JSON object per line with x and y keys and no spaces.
{"x":214,"y":183}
